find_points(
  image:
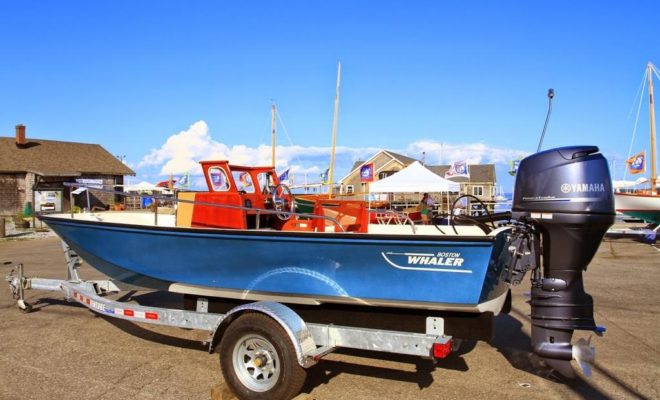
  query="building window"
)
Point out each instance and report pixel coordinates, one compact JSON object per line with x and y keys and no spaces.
{"x":477,"y":190}
{"x":350,"y":189}
{"x":385,"y":174}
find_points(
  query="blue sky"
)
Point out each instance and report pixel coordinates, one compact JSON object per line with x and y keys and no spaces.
{"x":454,"y":79}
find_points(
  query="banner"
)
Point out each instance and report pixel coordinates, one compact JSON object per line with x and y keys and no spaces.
{"x":637,"y":164}
{"x":91,"y":183}
{"x":458,"y":168}
{"x":367,"y":173}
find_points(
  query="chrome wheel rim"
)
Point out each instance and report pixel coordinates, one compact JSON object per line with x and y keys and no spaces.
{"x":256,"y":363}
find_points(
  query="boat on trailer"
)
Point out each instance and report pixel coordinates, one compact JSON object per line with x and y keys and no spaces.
{"x":243,"y":240}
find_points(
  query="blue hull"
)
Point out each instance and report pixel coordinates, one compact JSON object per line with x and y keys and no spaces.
{"x":462,"y":271}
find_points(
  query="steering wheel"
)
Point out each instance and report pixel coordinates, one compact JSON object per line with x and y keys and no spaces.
{"x":283,"y":201}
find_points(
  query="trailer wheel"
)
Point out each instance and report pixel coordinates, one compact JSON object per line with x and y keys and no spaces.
{"x":258,"y":360}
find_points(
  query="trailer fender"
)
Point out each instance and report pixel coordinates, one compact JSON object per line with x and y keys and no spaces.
{"x":295,"y":327}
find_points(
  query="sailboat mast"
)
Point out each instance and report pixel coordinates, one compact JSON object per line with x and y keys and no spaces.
{"x":334,"y":133}
{"x":273,"y":125}
{"x":654,"y":174}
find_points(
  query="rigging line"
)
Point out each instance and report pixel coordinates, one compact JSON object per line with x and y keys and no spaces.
{"x":286,"y":132}
{"x":634,"y":133}
{"x":655,"y":71}
{"x":642,"y":85}
{"x":654,"y":68}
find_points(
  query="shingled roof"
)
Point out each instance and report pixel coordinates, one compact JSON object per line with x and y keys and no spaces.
{"x":404,"y":159}
{"x":55,"y":158}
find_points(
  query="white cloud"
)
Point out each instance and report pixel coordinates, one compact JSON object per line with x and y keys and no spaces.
{"x":182,"y":152}
{"x":474,"y":153}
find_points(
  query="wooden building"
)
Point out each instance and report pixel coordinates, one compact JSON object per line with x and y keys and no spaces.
{"x":385,"y":164}
{"x":34,"y":171}
{"x":482,"y":182}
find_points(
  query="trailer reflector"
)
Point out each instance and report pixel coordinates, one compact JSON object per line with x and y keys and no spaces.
{"x":442,"y":350}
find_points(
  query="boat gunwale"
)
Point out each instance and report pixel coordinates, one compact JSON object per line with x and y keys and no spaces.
{"x":350,"y":236}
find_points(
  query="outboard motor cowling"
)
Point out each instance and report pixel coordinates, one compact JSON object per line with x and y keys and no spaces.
{"x":566,"y":194}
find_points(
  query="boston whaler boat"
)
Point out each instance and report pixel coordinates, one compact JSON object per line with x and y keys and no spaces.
{"x":242,"y":241}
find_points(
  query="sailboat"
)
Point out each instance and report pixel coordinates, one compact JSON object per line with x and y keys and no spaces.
{"x":644,"y":203}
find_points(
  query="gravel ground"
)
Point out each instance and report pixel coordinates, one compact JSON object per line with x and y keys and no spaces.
{"x":64,"y":351}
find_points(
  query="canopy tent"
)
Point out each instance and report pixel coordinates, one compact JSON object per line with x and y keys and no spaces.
{"x":143,"y":187}
{"x":415,"y":178}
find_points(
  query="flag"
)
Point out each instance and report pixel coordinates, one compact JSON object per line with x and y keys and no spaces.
{"x":458,"y":168}
{"x":184,"y":181}
{"x":636,"y":164}
{"x":324,"y":176}
{"x":166,"y":184}
{"x":284,"y":177}
{"x":367,"y":173}
{"x":245,"y":181}
{"x":513,"y":166}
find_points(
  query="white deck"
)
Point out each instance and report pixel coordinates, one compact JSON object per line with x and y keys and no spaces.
{"x":146,"y":218}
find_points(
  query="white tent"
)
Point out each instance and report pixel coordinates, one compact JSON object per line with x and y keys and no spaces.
{"x":143,"y":187}
{"x":414,"y":178}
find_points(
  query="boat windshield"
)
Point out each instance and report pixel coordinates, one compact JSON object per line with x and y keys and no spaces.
{"x":218,"y":179}
{"x":265,"y":182}
{"x":243,"y":181}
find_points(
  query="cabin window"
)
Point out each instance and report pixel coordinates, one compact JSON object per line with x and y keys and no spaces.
{"x":477,"y":190}
{"x":218,"y":179}
{"x":265,"y":182}
{"x":243,"y":181}
{"x":350,"y":189}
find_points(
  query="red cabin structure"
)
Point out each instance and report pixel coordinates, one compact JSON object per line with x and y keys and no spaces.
{"x":253,"y":198}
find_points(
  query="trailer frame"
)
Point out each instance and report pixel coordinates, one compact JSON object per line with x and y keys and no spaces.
{"x":309,"y":341}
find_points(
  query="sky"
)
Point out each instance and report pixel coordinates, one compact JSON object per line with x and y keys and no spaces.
{"x":165,"y":84}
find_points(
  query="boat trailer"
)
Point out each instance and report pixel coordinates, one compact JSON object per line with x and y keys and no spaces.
{"x":258,"y":343}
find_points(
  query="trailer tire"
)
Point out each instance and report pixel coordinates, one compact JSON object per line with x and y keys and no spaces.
{"x":258,"y":360}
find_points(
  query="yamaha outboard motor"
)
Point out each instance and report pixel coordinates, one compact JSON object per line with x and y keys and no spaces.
{"x":565,"y":194}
